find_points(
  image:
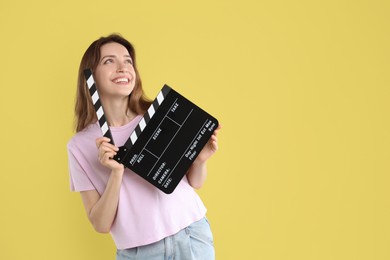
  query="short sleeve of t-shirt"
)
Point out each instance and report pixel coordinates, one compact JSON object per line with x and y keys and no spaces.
{"x":79,"y":180}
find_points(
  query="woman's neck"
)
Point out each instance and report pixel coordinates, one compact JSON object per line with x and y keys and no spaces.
{"x":117,"y":112}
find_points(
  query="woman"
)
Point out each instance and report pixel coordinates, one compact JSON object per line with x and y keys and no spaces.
{"x":143,"y":221}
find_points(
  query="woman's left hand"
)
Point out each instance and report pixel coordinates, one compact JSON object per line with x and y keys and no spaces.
{"x":210,"y":148}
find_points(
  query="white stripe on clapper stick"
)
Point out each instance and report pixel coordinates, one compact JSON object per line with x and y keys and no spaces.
{"x":90,"y":81}
{"x":151,"y":111}
{"x":104,"y":128}
{"x":95,"y":97}
{"x":142,"y":124}
{"x":160,"y":97}
{"x":100,"y":112}
{"x":133,"y":137}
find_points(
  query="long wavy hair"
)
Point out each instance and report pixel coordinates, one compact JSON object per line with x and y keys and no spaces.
{"x":84,"y":110}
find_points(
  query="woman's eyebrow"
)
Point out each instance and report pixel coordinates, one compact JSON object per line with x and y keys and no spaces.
{"x":114,"y":56}
{"x":107,"y":56}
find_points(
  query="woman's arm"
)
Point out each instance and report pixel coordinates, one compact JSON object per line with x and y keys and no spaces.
{"x":197,"y":173}
{"x":101,"y":210}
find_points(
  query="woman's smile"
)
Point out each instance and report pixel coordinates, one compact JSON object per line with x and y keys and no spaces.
{"x":121,"y":80}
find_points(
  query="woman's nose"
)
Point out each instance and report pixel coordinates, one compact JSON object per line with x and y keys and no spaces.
{"x":121,"y":68}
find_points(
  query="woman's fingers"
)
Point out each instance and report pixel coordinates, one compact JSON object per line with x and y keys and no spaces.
{"x":106,"y":150}
{"x":217,"y":130}
{"x":108,"y":156}
{"x":101,"y":140}
{"x":105,"y":142}
{"x":103,"y":152}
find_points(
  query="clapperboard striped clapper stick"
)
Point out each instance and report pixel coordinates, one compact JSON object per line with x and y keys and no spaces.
{"x":98,"y":106}
{"x":167,"y":140}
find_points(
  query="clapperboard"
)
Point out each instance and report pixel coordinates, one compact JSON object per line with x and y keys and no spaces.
{"x":166,"y":141}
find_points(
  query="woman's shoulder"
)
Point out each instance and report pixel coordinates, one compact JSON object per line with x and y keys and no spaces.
{"x":85,"y":136}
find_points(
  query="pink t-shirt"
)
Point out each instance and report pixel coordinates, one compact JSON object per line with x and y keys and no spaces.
{"x":145,"y":214}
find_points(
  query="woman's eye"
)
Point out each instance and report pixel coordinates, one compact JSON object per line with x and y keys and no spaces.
{"x":108,"y":61}
{"x":129,"y":61}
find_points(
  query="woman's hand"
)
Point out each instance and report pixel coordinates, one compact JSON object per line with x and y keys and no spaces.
{"x":197,"y":173}
{"x":106,"y":151}
{"x":210,"y":148}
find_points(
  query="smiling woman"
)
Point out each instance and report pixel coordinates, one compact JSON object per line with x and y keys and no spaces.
{"x":115,"y":77}
{"x":95,"y":57}
{"x":141,"y":219}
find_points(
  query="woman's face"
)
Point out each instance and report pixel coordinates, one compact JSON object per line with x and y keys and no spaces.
{"x":115,"y":75}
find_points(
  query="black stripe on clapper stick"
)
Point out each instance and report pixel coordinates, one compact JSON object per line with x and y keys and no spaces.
{"x":98,"y":106}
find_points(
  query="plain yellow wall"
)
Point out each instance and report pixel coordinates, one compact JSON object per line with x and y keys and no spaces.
{"x":301,"y":88}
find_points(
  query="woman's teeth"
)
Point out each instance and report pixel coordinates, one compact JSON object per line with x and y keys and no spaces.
{"x":121,"y":80}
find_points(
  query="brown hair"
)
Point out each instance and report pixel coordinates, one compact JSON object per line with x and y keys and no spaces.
{"x":84,"y":110}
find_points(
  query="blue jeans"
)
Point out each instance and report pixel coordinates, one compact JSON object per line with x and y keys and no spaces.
{"x":194,"y":242}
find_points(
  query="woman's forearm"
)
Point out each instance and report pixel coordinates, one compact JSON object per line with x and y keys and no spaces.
{"x":197,"y":174}
{"x":103,"y":213}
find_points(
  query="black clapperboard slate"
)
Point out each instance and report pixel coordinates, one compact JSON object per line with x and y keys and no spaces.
{"x":166,"y":141}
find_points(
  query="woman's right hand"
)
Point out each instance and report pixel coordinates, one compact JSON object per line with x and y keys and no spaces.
{"x":106,"y":151}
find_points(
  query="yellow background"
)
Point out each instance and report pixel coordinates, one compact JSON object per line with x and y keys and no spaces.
{"x":301,"y":88}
